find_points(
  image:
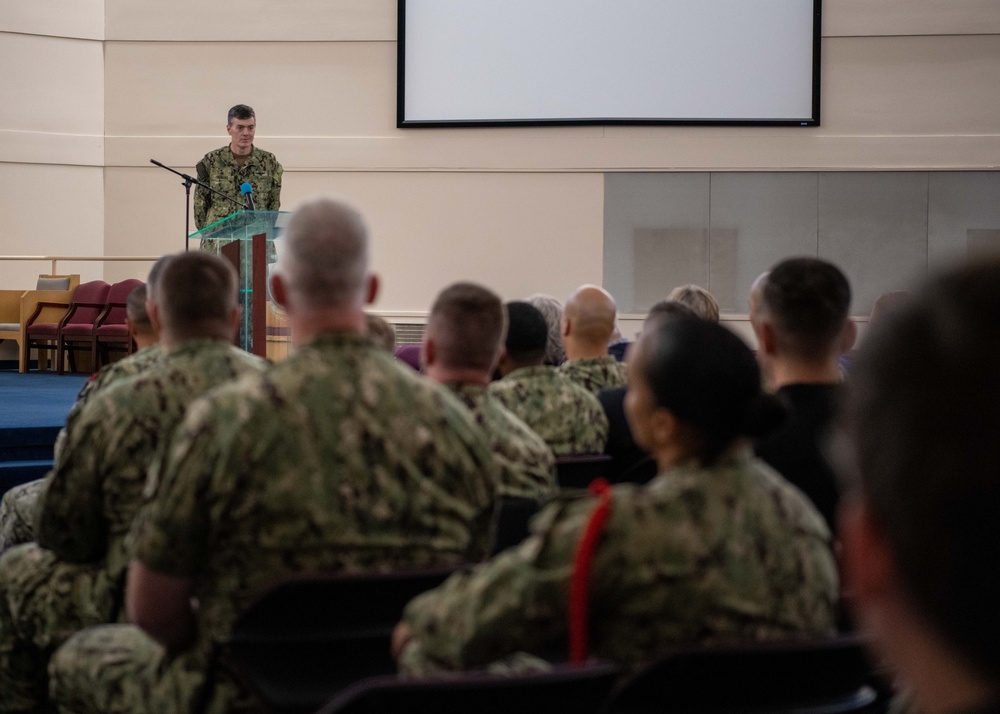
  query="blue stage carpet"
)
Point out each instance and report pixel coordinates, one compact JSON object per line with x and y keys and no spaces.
{"x":37,"y":400}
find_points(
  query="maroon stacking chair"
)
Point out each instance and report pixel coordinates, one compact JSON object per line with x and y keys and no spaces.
{"x":43,"y":334}
{"x":111,"y":330}
{"x":86,"y":304}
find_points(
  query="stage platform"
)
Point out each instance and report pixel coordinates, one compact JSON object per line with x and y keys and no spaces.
{"x":34,"y":409}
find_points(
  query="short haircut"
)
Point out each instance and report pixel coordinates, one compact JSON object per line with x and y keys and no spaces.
{"x":921,"y":424}
{"x":527,"y":334}
{"x":709,"y":379}
{"x":668,"y":309}
{"x":702,"y":302}
{"x":552,"y":311}
{"x":382,"y":332}
{"x":197,"y":295}
{"x":325,"y":261}
{"x":135,"y":308}
{"x":240,"y":111}
{"x":467,"y":323}
{"x":153,"y":279}
{"x":807,"y":300}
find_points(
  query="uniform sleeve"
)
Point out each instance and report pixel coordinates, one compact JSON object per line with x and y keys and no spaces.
{"x":517,"y":601}
{"x":202,"y":196}
{"x":70,"y":517}
{"x":274,"y":195}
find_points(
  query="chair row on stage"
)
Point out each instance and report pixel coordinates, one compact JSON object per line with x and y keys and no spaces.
{"x":322,"y":643}
{"x":65,"y":316}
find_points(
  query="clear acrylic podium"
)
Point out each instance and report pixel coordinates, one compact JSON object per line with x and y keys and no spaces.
{"x":251,"y":241}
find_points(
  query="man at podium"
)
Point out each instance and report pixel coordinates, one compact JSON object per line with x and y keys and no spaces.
{"x":229,"y":169}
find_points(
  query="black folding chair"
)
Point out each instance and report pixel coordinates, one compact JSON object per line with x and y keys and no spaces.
{"x":827,"y":676}
{"x":514,"y":515}
{"x":311,"y":636}
{"x":577,"y":689}
{"x":578,"y":470}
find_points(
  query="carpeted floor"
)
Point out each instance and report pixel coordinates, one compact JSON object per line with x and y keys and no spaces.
{"x":37,"y":400}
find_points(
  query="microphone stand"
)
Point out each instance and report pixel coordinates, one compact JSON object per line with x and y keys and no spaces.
{"x":188,"y":180}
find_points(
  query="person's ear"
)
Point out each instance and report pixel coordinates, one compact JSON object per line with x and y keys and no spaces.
{"x":278,"y":290}
{"x":848,"y":336}
{"x":428,"y":352}
{"x":371,"y":291}
{"x":234,"y":322}
{"x":766,"y":339}
{"x":866,"y":561}
{"x":663,"y":426}
{"x":153,"y":310}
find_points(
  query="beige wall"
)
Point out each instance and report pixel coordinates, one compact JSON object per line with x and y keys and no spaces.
{"x":907,"y":84}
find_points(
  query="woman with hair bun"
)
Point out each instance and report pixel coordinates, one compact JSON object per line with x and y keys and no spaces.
{"x":717,"y":547}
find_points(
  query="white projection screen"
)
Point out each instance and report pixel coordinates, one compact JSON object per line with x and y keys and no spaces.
{"x":536,"y":62}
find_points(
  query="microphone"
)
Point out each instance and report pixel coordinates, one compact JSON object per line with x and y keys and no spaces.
{"x":247,"y":190}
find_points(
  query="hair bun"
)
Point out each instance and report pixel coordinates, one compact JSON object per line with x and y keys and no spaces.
{"x":763,"y":414}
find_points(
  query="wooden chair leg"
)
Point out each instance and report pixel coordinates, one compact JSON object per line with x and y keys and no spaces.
{"x":22,"y":355}
{"x":60,"y":346}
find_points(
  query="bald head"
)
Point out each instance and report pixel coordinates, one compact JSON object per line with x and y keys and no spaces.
{"x":588,"y":322}
{"x":325,"y":263}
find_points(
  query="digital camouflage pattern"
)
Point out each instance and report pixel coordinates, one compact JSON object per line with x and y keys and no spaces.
{"x":338,"y":459}
{"x":220,"y":171}
{"x":596,"y":373}
{"x":73,"y":576}
{"x":527,"y":467}
{"x":567,"y":417}
{"x":107,"y":376}
{"x":17,"y":509}
{"x":729,"y":552}
{"x":17,"y":514}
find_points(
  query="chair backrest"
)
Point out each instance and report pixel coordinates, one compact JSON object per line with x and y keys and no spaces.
{"x":578,"y":470}
{"x":114,"y":314}
{"x":310,"y":636}
{"x":577,"y":689}
{"x":58,"y":282}
{"x":409,"y":354}
{"x":514,"y":516}
{"x":803,"y":677}
{"x":82,"y":310}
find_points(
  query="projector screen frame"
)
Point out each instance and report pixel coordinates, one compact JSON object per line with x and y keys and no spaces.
{"x":403,"y":123}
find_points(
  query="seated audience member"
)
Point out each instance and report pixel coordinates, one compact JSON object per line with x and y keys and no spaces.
{"x":716,"y":548}
{"x":462,"y":344}
{"x":919,"y":456}
{"x":587,"y":326}
{"x":619,"y":344}
{"x":337,"y":459}
{"x":72,"y":577}
{"x":552,"y":311}
{"x":410,"y":356}
{"x":884,"y":305}
{"x":381,"y":332}
{"x":698,"y":299}
{"x":621,"y":446}
{"x":802,"y":328}
{"x":567,"y":417}
{"x":17,"y":509}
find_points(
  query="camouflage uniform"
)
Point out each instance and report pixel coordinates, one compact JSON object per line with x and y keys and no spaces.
{"x":596,"y":373}
{"x":220,"y":171}
{"x":526,"y":465}
{"x":565,"y":415}
{"x":72,"y":577}
{"x":337,"y":459}
{"x":697,"y":555}
{"x":17,"y":510}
